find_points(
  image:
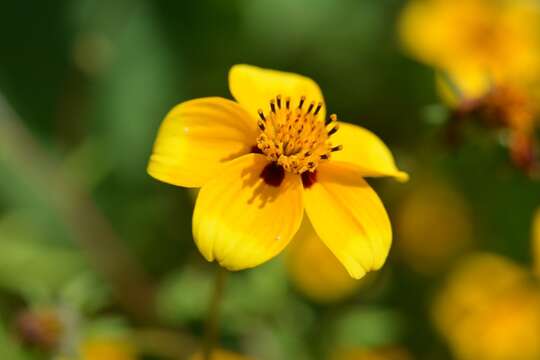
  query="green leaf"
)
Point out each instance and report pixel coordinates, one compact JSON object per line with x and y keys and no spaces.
{"x":367,"y":326}
{"x":30,"y":265}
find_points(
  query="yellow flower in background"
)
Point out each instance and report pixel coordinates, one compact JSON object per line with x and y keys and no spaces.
{"x":536,"y":241}
{"x":434,"y":225}
{"x":386,"y":353}
{"x":486,"y":39}
{"x":315,"y":271}
{"x":108,"y":349}
{"x":488,"y":52}
{"x":220,"y":354}
{"x":263,"y":159}
{"x":489,"y":309}
{"x":473,"y":283}
{"x":513,"y":332}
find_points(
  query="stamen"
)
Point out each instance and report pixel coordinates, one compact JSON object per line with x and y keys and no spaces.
{"x":333,"y":130}
{"x":302,"y":99}
{"x":294,"y":140}
{"x":310,"y":107}
{"x":318,"y":108}
{"x":332,"y":118}
{"x":337,"y":148}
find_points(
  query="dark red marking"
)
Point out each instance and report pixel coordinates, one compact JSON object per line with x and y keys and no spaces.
{"x":273,"y":174}
{"x":255,"y":150}
{"x":309,"y":178}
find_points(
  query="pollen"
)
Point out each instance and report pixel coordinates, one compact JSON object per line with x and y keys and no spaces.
{"x":294,"y":135}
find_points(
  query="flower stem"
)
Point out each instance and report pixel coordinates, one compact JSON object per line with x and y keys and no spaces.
{"x":212,"y":321}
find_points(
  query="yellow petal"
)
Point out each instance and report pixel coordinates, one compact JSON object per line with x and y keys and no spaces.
{"x":196,"y":137}
{"x":241,"y":221}
{"x":349,"y":217}
{"x":364,"y":149}
{"x":254,"y":87}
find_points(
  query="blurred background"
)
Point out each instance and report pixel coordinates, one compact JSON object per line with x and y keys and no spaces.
{"x":97,"y":260}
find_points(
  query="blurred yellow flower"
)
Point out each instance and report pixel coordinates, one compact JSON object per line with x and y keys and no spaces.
{"x":315,"y":271}
{"x":386,"y":353}
{"x":259,"y":161}
{"x":488,"y":52}
{"x":485,"y":38}
{"x":108,"y":349}
{"x":536,"y":241}
{"x":433,"y":226}
{"x":220,"y":354}
{"x":490,"y":310}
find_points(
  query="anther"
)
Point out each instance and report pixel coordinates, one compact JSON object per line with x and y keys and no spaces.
{"x":332,"y":118}
{"x":318,"y":108}
{"x":302,"y":99}
{"x":333,"y":130}
{"x":294,"y":140}
{"x":310,"y":108}
{"x":261,"y":115}
{"x":337,"y":148}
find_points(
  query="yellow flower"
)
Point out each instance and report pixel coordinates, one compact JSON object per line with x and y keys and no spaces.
{"x":490,"y":310}
{"x":220,"y":354}
{"x":263,"y":159}
{"x":485,"y":38}
{"x":433,"y":225}
{"x":108,"y":349}
{"x":489,"y":54}
{"x":536,"y":241}
{"x":315,"y":271}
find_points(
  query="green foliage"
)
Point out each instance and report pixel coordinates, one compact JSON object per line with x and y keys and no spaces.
{"x":32,"y":266}
{"x":92,"y":81}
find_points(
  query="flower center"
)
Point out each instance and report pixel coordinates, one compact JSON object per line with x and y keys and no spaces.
{"x":294,"y":136}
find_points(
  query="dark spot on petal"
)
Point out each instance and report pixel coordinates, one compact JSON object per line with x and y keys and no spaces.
{"x":273,"y":174}
{"x":255,"y":150}
{"x":309,"y":178}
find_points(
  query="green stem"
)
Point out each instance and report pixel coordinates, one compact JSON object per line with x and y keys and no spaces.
{"x":212,"y":321}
